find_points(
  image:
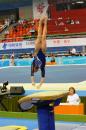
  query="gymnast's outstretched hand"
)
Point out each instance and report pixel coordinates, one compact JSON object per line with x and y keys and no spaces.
{"x":33,"y":80}
{"x":39,"y":86}
{"x":41,"y":82}
{"x":33,"y":84}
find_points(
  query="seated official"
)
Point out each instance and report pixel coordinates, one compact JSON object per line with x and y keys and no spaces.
{"x":73,"y":52}
{"x":52,"y":59}
{"x":73,"y":97}
{"x":12,"y":60}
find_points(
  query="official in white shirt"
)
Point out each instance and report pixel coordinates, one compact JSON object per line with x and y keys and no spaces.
{"x":73,"y":97}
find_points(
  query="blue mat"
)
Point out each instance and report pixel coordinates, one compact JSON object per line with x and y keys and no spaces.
{"x":54,"y":74}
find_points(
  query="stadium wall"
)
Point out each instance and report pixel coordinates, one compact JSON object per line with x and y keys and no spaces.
{"x":26,"y":12}
{"x":53,"y":45}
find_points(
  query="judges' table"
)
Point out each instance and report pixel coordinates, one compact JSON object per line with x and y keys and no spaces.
{"x":66,"y":108}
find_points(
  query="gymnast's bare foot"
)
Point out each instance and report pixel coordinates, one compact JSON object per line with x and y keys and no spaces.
{"x":39,"y":86}
{"x":33,"y":84}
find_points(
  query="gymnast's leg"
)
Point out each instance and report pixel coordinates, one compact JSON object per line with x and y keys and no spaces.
{"x":43,"y":47}
{"x":37,"y":48}
{"x":39,"y":37}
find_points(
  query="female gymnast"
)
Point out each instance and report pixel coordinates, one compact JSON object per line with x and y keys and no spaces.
{"x":40,"y":49}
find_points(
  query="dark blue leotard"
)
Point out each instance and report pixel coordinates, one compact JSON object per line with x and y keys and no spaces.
{"x":41,"y":61}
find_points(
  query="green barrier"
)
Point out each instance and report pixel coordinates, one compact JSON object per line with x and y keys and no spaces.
{"x":33,"y":116}
{"x":12,"y":104}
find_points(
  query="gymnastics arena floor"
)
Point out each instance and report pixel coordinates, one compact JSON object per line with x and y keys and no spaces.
{"x":54,"y":74}
{"x":32,"y":124}
{"x":57,"y":78}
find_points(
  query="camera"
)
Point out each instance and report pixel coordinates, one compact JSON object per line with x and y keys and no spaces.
{"x":4,"y":88}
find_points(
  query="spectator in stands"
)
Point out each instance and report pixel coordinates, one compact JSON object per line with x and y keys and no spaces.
{"x":68,"y":21}
{"x":72,"y":21}
{"x":82,"y":54}
{"x":73,"y":97}
{"x":56,"y":23}
{"x":69,"y":51}
{"x":7,"y":22}
{"x":66,"y":29}
{"x":73,"y":51}
{"x":3,"y":57}
{"x":20,"y":21}
{"x":32,"y":30}
{"x":6,"y":32}
{"x":12,"y":19}
{"x":77,"y":22}
{"x":61,"y":23}
{"x":52,"y":58}
{"x":12,"y":59}
{"x":40,"y":49}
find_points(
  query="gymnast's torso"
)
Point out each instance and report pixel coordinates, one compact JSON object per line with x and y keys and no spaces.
{"x":41,"y":57}
{"x":39,"y":60}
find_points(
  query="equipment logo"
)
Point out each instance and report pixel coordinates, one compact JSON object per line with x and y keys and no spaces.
{"x":4,"y":46}
{"x":40,"y":7}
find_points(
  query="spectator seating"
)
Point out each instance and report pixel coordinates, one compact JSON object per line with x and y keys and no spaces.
{"x":57,"y":25}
